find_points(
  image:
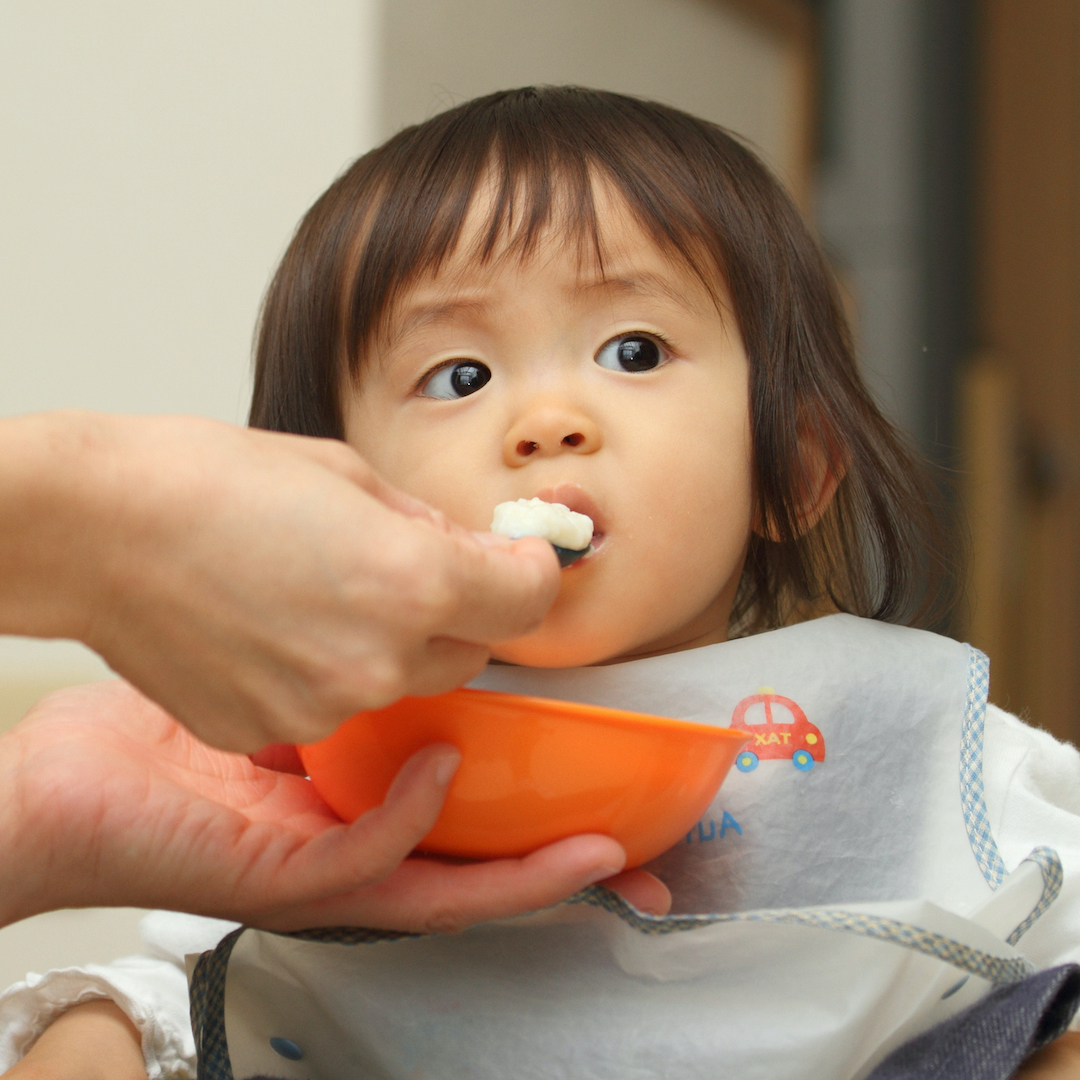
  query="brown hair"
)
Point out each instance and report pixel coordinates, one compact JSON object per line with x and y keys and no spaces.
{"x":397,"y":213}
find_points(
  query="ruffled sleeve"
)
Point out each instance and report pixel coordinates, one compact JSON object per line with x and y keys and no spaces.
{"x":151,"y":990}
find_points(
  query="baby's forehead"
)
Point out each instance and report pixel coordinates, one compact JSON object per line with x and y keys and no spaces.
{"x":622,"y":261}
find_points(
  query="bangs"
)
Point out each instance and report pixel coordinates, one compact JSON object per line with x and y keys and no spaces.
{"x":514,"y":172}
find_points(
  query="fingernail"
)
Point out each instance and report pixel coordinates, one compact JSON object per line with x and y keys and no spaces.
{"x":603,"y":874}
{"x":444,"y":771}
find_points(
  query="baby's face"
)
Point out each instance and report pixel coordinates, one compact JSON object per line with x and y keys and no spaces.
{"x":623,"y":396}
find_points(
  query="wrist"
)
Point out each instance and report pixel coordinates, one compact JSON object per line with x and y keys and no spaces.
{"x":20,"y":880}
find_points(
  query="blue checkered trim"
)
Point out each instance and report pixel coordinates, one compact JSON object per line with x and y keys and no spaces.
{"x":208,"y":990}
{"x":972,"y":798}
{"x":208,"y":1010}
{"x":1053,"y":875}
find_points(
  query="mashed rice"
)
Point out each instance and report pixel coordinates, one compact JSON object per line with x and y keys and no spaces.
{"x":553,"y":522}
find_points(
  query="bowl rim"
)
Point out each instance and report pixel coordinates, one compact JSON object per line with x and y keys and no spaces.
{"x":583,"y":712}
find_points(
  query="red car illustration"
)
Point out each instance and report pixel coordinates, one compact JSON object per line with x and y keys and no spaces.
{"x":798,"y":739}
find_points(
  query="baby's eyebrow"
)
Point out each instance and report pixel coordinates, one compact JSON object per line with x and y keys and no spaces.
{"x":651,"y":285}
{"x":422,"y":316}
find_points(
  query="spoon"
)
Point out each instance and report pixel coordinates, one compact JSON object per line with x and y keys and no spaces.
{"x":569,"y":556}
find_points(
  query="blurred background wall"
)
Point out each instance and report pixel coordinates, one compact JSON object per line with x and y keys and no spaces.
{"x":155,"y":158}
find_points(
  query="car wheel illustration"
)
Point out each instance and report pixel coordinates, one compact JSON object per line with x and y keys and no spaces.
{"x":802,"y":760}
{"x":746,"y":761}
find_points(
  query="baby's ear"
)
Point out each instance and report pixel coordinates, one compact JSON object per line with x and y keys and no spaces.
{"x":820,"y":468}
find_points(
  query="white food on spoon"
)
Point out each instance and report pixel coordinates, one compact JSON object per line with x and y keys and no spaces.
{"x":558,"y":524}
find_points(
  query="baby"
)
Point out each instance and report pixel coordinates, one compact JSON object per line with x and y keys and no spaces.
{"x":583,"y":298}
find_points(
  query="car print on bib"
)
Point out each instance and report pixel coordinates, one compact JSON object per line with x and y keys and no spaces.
{"x":778,"y":729}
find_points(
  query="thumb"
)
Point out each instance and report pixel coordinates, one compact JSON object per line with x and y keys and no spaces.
{"x":348,"y":857}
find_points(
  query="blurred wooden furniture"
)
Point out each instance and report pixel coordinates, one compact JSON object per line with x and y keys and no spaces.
{"x":1021,"y":398}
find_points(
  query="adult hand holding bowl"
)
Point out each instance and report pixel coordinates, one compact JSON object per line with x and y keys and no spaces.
{"x":533,"y":771}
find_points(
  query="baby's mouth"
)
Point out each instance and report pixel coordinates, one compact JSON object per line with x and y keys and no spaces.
{"x":580,"y":501}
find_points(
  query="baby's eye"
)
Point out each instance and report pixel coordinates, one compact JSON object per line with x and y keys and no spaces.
{"x":631,"y":352}
{"x":456,"y":380}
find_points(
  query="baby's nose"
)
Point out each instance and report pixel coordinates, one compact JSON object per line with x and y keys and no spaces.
{"x":547,"y":432}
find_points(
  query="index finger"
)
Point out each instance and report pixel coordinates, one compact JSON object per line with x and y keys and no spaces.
{"x":498,"y":588}
{"x":342,"y":459}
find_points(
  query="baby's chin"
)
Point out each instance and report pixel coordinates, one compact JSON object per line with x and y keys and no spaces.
{"x":557,"y":649}
{"x":567,"y":640}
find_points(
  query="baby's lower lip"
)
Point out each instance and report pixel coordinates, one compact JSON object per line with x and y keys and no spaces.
{"x":596,"y":542}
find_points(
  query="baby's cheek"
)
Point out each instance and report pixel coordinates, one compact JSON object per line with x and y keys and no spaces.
{"x":584,"y":626}
{"x":622,"y":615}
{"x":664,"y":597}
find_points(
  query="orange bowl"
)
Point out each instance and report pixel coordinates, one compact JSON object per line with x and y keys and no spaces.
{"x":532,"y":771}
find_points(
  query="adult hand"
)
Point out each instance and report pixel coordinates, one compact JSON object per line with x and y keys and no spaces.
{"x":106,"y":800}
{"x":260,"y":587}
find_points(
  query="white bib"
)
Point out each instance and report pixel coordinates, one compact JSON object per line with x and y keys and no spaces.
{"x":842,"y":894}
